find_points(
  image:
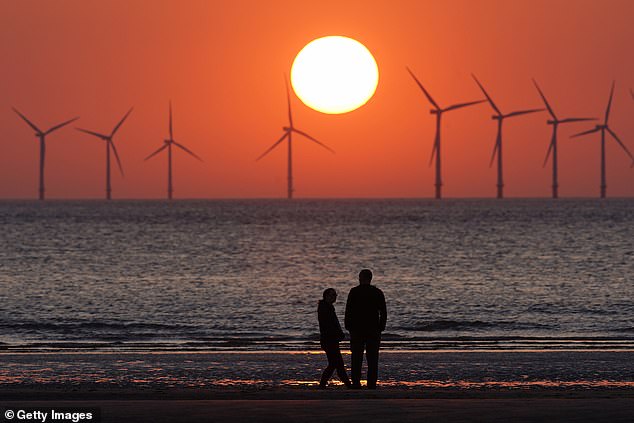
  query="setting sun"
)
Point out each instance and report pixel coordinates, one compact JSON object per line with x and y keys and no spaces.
{"x":334,"y":75}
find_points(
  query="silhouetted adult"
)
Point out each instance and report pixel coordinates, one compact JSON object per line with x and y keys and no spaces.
{"x":366,"y":315}
{"x":330,"y":334}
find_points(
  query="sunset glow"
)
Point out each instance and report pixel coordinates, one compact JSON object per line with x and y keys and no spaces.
{"x":222,"y":64}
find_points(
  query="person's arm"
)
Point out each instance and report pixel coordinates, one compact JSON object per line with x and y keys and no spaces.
{"x":383,"y":311}
{"x":348,"y":316}
{"x":329,"y":325}
{"x":322,"y":319}
{"x":337,"y":326}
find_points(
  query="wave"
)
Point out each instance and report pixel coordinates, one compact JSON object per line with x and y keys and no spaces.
{"x":458,"y":343}
{"x":468,"y":325}
{"x":93,"y":325}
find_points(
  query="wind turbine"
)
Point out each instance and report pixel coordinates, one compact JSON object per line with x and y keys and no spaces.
{"x":288,"y":131}
{"x":42,"y":136}
{"x":603,"y":128}
{"x":438,"y":111}
{"x":109,"y":145}
{"x":552,"y":148}
{"x":168,"y":144}
{"x":499,"y":116}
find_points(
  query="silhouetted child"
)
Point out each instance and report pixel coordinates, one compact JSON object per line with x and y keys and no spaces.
{"x":330,"y":334}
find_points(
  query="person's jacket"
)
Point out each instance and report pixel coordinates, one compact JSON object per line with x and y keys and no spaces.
{"x":366,"y":312}
{"x":329,"y":328}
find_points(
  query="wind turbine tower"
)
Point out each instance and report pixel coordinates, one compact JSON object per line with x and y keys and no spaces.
{"x":109,"y":146}
{"x":603,"y":128}
{"x":438,"y":111}
{"x":42,"y":137}
{"x":552,"y":148}
{"x":497,"y":150}
{"x":288,"y":133}
{"x":168,"y":143}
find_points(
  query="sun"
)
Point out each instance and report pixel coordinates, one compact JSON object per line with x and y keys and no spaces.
{"x":334,"y":74}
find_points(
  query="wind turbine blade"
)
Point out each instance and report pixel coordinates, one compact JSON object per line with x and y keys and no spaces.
{"x":116,"y":128}
{"x":56,"y":127}
{"x":171,"y":132}
{"x":431,"y":100}
{"x":550,"y":149}
{"x":621,"y":143}
{"x":523,"y":112}
{"x":95,"y":134}
{"x":487,"y":96}
{"x":116,"y":156}
{"x":31,"y":124}
{"x":568,"y":120}
{"x":186,"y":150}
{"x":156,"y":152}
{"x":591,"y":131}
{"x":288,"y":100}
{"x":434,"y":151}
{"x":495,"y":150}
{"x":607,"y":110}
{"x":313,"y":140}
{"x":550,"y":109}
{"x":273,"y":146}
{"x":461,"y":105}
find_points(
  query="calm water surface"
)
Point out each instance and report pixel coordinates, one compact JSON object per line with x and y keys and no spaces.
{"x":457,"y":274}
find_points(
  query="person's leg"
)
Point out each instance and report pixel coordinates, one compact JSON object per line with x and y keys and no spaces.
{"x":341,"y":367}
{"x":329,"y":370}
{"x":372,"y":353}
{"x":326,"y":375}
{"x":356,"y":350}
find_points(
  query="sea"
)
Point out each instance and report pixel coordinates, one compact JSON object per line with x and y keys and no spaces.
{"x":246,"y":275}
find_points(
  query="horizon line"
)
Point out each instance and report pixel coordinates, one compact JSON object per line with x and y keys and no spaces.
{"x":430,"y":198}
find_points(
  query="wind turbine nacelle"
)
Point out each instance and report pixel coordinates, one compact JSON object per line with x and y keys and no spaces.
{"x":552,"y":122}
{"x":286,"y":128}
{"x":496,"y":117}
{"x":167,"y":141}
{"x":434,"y":112}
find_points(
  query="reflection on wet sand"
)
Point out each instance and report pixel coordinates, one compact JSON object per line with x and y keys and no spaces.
{"x":404,"y":370}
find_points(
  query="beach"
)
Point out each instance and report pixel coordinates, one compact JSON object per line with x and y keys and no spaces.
{"x":282,"y":386}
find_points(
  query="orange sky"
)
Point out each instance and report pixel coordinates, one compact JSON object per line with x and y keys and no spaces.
{"x":222,"y":64}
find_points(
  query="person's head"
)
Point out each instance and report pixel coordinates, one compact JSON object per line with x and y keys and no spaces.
{"x":330,"y":295}
{"x":365,"y":277}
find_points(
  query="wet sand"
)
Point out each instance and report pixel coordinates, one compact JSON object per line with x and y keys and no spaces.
{"x":280,"y":386}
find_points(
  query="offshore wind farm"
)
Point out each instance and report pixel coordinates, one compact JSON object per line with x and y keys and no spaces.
{"x":438,"y":111}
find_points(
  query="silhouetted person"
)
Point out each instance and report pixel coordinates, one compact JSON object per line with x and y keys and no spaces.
{"x":330,"y":334}
{"x":366,"y":315}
